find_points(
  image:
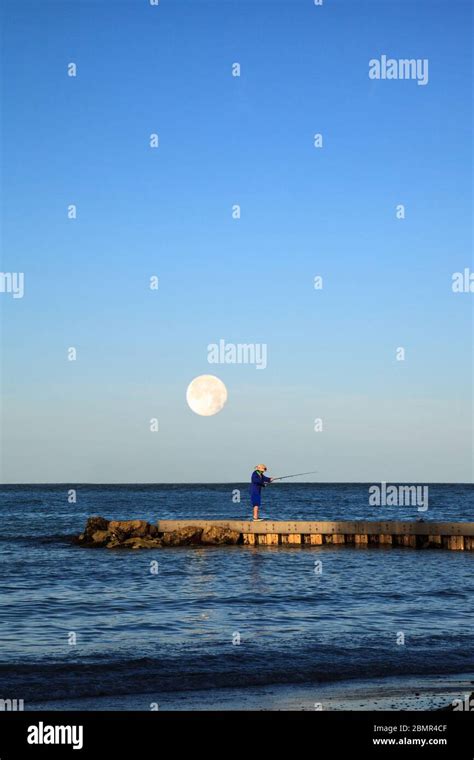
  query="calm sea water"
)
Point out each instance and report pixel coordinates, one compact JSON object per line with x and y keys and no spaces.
{"x":137,"y":631}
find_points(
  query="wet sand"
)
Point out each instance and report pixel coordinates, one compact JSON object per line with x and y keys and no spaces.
{"x":402,"y":693}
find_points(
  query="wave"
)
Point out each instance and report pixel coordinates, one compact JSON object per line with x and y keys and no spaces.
{"x":57,"y":538}
{"x":111,"y":677}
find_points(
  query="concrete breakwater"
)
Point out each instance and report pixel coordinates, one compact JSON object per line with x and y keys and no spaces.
{"x":139,"y":534}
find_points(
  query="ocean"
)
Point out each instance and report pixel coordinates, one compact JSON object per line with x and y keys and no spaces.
{"x":82,"y":623}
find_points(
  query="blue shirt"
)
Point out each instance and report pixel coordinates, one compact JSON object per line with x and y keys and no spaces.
{"x":258,"y":482}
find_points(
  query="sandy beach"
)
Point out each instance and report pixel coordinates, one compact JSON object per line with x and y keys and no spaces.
{"x":397,"y":694}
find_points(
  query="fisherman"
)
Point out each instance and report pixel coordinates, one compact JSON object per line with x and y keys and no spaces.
{"x":258,"y":481}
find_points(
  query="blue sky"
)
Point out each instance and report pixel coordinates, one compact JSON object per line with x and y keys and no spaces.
{"x":304,"y":212}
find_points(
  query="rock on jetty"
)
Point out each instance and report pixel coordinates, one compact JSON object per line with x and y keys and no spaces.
{"x":140,"y":534}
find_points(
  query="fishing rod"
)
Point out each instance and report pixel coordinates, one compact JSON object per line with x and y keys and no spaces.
{"x":296,"y":475}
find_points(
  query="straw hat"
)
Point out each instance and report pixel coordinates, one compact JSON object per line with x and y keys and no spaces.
{"x":261,"y":467}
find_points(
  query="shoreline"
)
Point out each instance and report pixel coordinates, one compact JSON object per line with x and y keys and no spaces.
{"x":399,"y":693}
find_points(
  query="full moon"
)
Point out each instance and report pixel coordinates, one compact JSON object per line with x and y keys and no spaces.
{"x":206,"y":395}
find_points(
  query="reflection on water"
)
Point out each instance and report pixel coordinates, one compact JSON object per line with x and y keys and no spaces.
{"x":137,"y":630}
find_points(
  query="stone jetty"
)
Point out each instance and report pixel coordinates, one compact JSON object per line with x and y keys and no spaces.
{"x":140,"y":534}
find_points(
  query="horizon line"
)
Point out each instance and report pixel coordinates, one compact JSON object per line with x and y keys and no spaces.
{"x":229,"y":482}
